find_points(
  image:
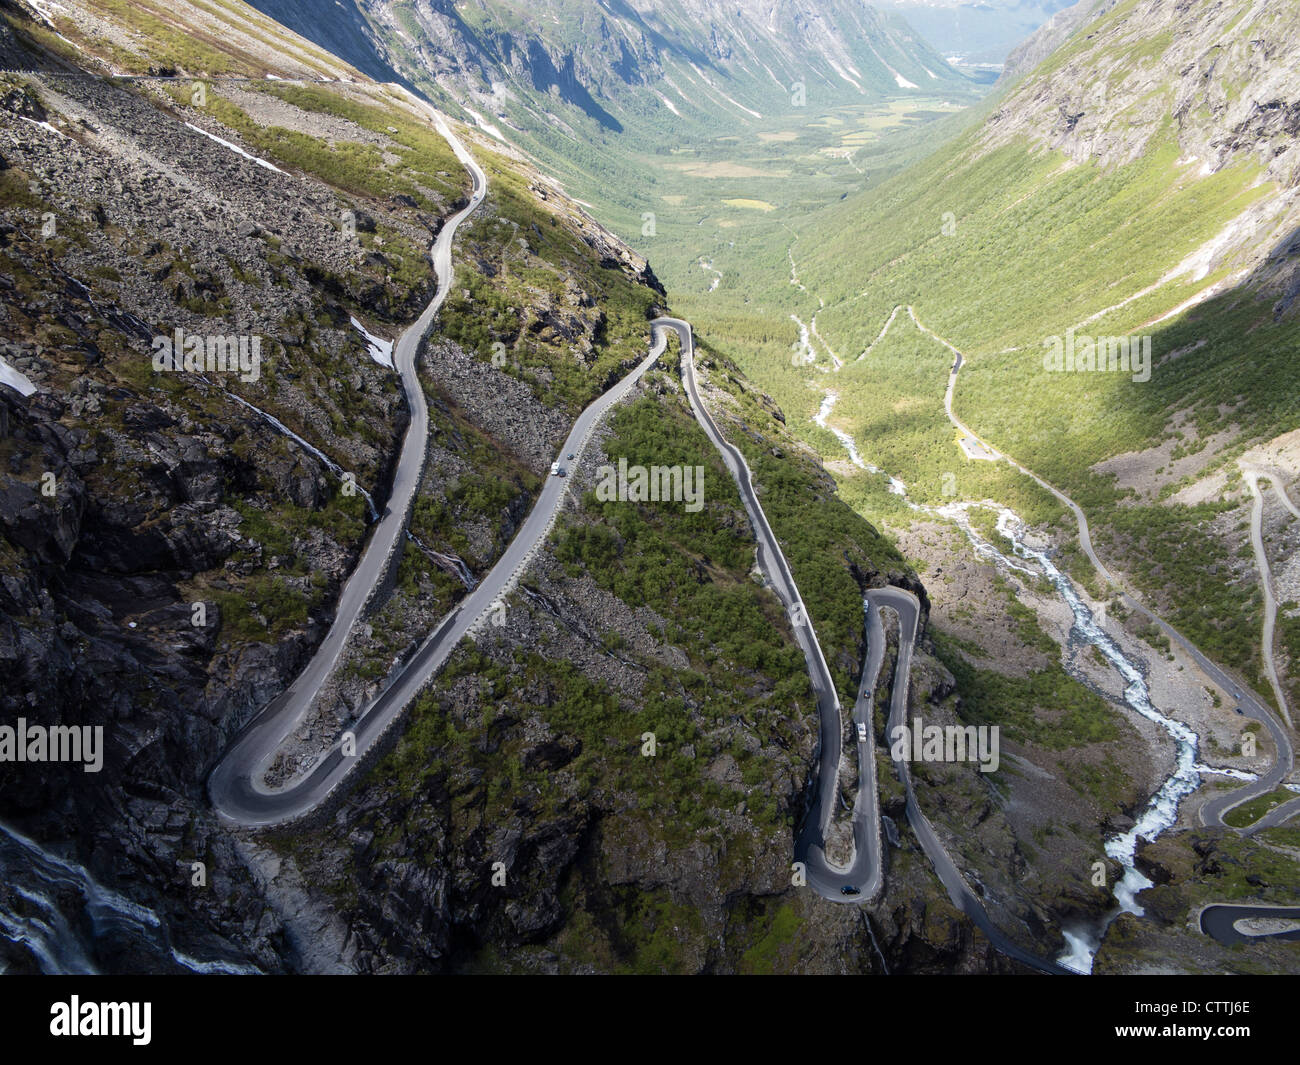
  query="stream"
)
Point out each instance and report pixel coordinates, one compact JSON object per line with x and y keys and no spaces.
{"x":52,"y":908}
{"x":1161,"y":811}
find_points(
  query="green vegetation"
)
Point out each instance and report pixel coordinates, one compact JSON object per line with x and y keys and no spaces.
{"x":693,"y":571}
{"x":691,"y":568}
{"x":1249,"y":812}
{"x":783,"y":932}
{"x":277,"y":598}
{"x":1048,"y":708}
{"x":823,"y":540}
{"x":155,"y":38}
{"x":543,"y":305}
{"x":1035,"y":246}
{"x":1105,"y":782}
{"x":1242,"y":868}
{"x":268,"y":607}
{"x":1288,"y":637}
{"x":351,"y":166}
{"x":1027,"y":627}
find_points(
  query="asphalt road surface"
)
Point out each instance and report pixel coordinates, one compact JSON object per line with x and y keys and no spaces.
{"x":865,"y":875}
{"x":278,"y":719}
{"x":1220,"y":922}
{"x":825,"y":879}
{"x":236,"y":786}
{"x":1212,"y":811}
{"x":909,"y":612}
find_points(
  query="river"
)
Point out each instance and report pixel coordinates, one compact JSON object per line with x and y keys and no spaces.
{"x":1161,"y":811}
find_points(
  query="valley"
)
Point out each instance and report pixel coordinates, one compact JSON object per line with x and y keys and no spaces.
{"x":461,"y":702}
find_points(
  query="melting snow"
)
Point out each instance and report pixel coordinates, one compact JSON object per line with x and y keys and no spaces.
{"x":381,"y":350}
{"x":484,"y":124}
{"x":42,"y":125}
{"x":15,"y":379}
{"x":669,"y":104}
{"x":234,"y":148}
{"x":843,"y":74}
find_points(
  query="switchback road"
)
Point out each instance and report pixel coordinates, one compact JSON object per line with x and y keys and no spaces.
{"x":1213,"y":809}
{"x":237,"y":786}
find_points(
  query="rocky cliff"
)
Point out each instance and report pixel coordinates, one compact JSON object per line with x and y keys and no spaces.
{"x":574,"y":65}
{"x":173,"y":540}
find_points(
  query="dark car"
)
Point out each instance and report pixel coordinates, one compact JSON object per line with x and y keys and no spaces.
{"x":1239,"y":710}
{"x":849,"y":889}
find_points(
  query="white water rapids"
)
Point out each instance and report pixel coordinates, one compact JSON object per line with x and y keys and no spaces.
{"x":1161,"y":812}
{"x":55,"y":910}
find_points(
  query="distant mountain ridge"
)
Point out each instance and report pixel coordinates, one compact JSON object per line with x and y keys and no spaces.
{"x":979,"y":30}
{"x":560,"y":63}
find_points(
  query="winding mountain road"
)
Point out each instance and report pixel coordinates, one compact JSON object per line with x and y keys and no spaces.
{"x":236,"y":786}
{"x":909,"y":613}
{"x":828,"y":880}
{"x":1213,"y":809}
{"x":865,"y":875}
{"x":1220,"y":921}
{"x":1253,"y":476}
{"x":253,"y":750}
{"x":1217,"y":920}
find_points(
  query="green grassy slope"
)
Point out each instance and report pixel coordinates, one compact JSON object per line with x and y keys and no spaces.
{"x":999,"y":247}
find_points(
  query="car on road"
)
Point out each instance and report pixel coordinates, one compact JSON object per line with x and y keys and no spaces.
{"x":849,"y":889}
{"x":557,"y":470}
{"x":1239,"y":710}
{"x":569,"y":456}
{"x":862,"y":732}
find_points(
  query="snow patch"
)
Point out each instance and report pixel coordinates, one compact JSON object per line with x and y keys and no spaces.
{"x":381,"y":350}
{"x":41,"y":125}
{"x":844,"y":74}
{"x":15,"y":379}
{"x":484,"y":124}
{"x":234,"y":148}
{"x":43,"y":11}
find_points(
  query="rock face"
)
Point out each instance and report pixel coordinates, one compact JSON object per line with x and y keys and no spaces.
{"x":521,"y":826}
{"x":1219,"y":79}
{"x":977,"y":31}
{"x":150,"y":586}
{"x":172,"y":493}
{"x":1118,"y":74}
{"x":1049,"y":36}
{"x":613,"y":63}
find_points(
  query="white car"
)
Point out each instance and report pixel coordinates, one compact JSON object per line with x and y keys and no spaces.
{"x":555,"y":469}
{"x":862,"y":732}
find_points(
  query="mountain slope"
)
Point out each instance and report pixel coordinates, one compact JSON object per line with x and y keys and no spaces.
{"x":979,"y":31}
{"x":1140,"y":183}
{"x":582,"y":85}
{"x":1119,"y":189}
{"x":282,"y":208}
